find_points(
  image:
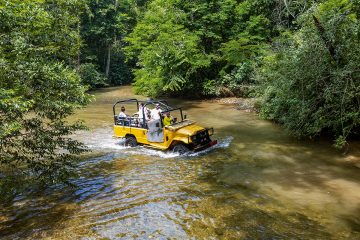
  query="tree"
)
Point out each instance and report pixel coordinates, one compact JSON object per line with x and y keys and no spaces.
{"x":167,"y":53}
{"x":189,"y":47}
{"x":103,"y":26}
{"x":312,"y":84}
{"x":39,"y":87}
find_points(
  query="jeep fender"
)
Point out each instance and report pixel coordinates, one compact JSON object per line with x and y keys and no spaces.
{"x":184,"y":140}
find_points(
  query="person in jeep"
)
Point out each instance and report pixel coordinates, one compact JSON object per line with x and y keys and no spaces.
{"x":122,"y":113}
{"x":168,"y":119}
{"x":155,"y":113}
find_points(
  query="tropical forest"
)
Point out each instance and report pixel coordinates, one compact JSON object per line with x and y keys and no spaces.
{"x":273,"y":84}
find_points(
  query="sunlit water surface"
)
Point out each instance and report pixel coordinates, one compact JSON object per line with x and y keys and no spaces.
{"x":257,"y":183}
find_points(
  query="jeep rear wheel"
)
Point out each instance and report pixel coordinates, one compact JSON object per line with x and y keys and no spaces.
{"x":130,"y":141}
{"x":180,"y":149}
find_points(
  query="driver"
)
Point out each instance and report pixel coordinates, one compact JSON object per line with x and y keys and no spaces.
{"x":167,"y":119}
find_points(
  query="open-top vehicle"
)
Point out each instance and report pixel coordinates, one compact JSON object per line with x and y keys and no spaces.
{"x":181,"y":135}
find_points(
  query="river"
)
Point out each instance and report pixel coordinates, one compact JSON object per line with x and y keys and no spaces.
{"x":257,"y":183}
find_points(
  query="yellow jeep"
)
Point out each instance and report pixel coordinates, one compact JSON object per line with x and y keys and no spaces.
{"x":141,"y":128}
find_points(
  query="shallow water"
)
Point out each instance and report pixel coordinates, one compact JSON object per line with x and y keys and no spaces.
{"x":257,"y":183}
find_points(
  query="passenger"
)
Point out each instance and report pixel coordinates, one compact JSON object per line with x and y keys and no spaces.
{"x":122,"y":114}
{"x":168,"y":119}
{"x":122,"y":117}
{"x":155,"y":113}
{"x":141,"y":112}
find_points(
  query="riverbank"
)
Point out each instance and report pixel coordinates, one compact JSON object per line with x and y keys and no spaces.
{"x":352,"y":152}
{"x":245,"y":104}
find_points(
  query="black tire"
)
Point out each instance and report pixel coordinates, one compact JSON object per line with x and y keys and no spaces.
{"x":180,"y":149}
{"x":130,"y":141}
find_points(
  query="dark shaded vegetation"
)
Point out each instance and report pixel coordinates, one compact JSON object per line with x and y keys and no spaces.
{"x":311,"y":82}
{"x":103,"y":27}
{"x":39,"y":88}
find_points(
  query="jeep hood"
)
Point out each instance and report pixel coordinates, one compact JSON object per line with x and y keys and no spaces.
{"x":186,"y":127}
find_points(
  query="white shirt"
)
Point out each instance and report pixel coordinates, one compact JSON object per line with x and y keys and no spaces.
{"x":155,"y":114}
{"x":141,"y":112}
{"x":122,"y":115}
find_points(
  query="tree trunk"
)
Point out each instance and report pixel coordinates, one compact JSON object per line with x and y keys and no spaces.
{"x":78,"y":62}
{"x":329,"y":45}
{"x":108,"y":61}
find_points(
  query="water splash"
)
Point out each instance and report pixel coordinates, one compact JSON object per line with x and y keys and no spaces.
{"x":222,"y":143}
{"x":152,"y":152}
{"x":102,"y":140}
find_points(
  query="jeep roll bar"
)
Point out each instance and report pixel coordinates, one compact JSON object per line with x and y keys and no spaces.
{"x":122,"y":101}
{"x":162,"y":103}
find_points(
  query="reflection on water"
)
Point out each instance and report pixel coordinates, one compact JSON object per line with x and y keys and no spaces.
{"x":258,"y":183}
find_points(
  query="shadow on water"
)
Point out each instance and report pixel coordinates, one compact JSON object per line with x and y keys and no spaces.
{"x":20,"y":222}
{"x":42,"y":212}
{"x":353,"y":221}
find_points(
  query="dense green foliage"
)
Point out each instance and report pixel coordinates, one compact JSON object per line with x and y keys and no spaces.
{"x":196,"y":47}
{"x":312,"y":82}
{"x":202,"y":48}
{"x":300,"y":57}
{"x":104,"y":25}
{"x":39,"y":88}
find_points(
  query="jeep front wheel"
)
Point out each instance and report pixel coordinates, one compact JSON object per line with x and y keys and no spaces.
{"x":180,"y":149}
{"x":130,"y":141}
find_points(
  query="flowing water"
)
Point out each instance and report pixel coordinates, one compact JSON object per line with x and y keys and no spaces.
{"x":257,"y":183}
